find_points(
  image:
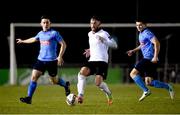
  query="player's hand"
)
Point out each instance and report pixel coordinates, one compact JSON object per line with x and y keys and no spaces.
{"x":154,"y":60}
{"x":60,"y":61}
{"x":19,"y":41}
{"x":87,"y":53}
{"x":130,"y":52}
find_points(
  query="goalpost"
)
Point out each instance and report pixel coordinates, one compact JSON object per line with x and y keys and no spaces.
{"x":13,"y":65}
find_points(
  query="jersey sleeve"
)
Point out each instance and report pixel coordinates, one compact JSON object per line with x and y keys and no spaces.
{"x":58,"y":37}
{"x":109,"y":41}
{"x":37,"y":36}
{"x":149,"y":35}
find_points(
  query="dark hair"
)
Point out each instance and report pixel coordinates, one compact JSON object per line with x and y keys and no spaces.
{"x":45,"y":17}
{"x":141,"y":20}
{"x":96,"y":17}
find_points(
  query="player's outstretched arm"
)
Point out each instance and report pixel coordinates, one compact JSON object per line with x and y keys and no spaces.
{"x":131,"y":52}
{"x":112,"y":43}
{"x":109,"y":42}
{"x":27,"y":41}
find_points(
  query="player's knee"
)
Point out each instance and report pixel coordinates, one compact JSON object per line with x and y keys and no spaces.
{"x":132,"y":74}
{"x":148,"y":83}
{"x":34,"y":78}
{"x":98,"y":80}
{"x":53,"y":81}
{"x":84,"y":71}
{"x":97,"y":84}
{"x":35,"y":75}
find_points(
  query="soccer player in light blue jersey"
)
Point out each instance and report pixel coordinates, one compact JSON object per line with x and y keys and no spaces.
{"x":48,"y":59}
{"x":150,"y":47}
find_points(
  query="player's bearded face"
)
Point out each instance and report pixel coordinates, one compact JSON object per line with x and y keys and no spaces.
{"x":94,"y":24}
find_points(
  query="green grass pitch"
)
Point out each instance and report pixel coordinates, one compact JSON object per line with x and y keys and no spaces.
{"x":50,"y":99}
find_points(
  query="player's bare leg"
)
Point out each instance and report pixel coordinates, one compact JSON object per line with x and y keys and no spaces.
{"x":104,"y":87}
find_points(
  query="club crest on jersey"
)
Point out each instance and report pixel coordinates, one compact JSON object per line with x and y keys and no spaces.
{"x":44,"y":42}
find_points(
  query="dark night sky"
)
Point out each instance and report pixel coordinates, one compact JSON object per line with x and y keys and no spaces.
{"x":112,"y":11}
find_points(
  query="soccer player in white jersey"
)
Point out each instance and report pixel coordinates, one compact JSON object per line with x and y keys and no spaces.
{"x":99,"y":43}
{"x":150,"y":47}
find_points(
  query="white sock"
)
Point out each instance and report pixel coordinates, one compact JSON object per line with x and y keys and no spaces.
{"x":103,"y":86}
{"x":81,"y":84}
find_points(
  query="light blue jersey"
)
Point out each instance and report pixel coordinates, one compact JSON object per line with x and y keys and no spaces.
{"x":48,"y":44}
{"x":145,"y":40}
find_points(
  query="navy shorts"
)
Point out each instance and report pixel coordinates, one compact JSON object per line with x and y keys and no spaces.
{"x":98,"y":68}
{"x":50,"y":66}
{"x":147,"y":68}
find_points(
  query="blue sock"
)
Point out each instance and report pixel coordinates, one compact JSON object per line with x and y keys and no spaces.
{"x":31,"y":88}
{"x":61,"y":82}
{"x":158,"y":84}
{"x":138,"y":80}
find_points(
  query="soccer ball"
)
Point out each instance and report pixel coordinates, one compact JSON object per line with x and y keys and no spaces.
{"x":71,"y":99}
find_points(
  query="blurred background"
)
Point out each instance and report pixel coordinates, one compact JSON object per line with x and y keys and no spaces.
{"x":157,"y":13}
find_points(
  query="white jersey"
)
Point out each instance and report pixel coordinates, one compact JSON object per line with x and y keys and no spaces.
{"x":98,"y":47}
